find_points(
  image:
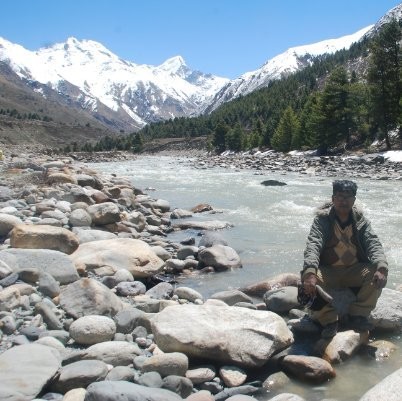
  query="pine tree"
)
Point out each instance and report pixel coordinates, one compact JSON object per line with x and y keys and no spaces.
{"x":384,"y":77}
{"x":219,"y":137}
{"x":287,"y":129}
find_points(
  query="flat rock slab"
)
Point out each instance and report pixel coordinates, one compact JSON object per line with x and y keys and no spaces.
{"x":55,"y":263}
{"x":126,"y":391}
{"x":25,"y":370}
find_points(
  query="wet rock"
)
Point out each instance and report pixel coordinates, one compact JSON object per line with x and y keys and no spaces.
{"x":342,"y":346}
{"x":388,"y":389}
{"x":220,"y":257}
{"x":308,"y":368}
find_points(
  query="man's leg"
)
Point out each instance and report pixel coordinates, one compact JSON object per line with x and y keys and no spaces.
{"x":327,"y":279}
{"x":361,"y":275}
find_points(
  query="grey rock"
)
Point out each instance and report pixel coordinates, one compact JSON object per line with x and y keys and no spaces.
{"x":48,"y":286}
{"x":92,"y":329}
{"x":121,"y":373}
{"x":125,"y":391}
{"x":79,"y":375}
{"x":149,"y":379}
{"x":56,"y":263}
{"x":49,"y":316}
{"x":220,"y":257}
{"x":130,"y":289}
{"x":25,"y":370}
{"x":127,"y":319}
{"x":281,"y":300}
{"x":211,"y":238}
{"x":387,"y":314}
{"x":388,"y":389}
{"x":231,"y":297}
{"x":89,"y":297}
{"x":161,"y":291}
{"x":178,"y":384}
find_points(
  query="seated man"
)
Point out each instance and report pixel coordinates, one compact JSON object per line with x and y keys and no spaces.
{"x":343,"y":251}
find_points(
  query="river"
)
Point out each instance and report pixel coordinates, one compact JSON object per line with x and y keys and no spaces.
{"x":270,"y":226}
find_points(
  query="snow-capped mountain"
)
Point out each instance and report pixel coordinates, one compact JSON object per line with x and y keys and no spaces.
{"x":289,"y":62}
{"x":393,"y":14}
{"x":124,"y":95}
{"x":90,"y":74}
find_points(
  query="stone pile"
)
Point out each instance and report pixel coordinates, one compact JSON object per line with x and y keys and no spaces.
{"x":371,"y":166}
{"x":88,"y":309}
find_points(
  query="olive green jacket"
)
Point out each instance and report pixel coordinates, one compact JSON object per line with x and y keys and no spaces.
{"x":369,"y":248}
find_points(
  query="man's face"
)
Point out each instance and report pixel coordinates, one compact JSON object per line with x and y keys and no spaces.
{"x":343,"y":202}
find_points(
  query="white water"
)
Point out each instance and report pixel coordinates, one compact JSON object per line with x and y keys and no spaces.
{"x":269,"y":233}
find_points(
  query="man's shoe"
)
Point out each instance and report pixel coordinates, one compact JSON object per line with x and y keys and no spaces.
{"x":329,"y":330}
{"x":360,"y":323}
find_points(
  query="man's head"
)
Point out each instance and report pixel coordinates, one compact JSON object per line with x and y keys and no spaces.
{"x":343,"y":196}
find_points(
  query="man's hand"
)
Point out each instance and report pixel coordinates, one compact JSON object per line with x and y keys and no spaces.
{"x":309,"y":283}
{"x":380,"y":278}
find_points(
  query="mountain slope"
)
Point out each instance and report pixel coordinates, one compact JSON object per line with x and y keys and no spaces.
{"x":289,"y":62}
{"x":98,"y":80}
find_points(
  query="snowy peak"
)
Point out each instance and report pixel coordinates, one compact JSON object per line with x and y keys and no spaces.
{"x":282,"y":65}
{"x":174,"y":65}
{"x":394,"y":13}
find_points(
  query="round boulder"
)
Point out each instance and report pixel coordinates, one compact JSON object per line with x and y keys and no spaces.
{"x":92,"y":329}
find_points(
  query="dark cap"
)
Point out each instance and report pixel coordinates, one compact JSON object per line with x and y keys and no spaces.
{"x":344,"y":186}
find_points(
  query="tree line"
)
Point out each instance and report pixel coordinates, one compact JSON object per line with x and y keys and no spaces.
{"x":337,"y":100}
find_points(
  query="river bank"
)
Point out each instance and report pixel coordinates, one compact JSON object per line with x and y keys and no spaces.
{"x":57,"y":193}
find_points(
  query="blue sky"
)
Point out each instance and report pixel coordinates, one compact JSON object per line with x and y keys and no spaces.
{"x":222,"y":37}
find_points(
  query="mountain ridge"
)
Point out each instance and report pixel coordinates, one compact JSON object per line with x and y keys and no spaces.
{"x":123,"y":96}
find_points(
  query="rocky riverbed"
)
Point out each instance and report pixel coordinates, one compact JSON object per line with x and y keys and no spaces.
{"x":89,"y":309}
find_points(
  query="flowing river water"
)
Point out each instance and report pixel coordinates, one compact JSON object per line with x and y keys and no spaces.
{"x":270,"y":227}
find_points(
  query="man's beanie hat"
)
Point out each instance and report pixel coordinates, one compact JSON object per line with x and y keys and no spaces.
{"x":344,"y":186}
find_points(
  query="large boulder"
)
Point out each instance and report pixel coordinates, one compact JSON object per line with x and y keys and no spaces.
{"x":55,"y":263}
{"x":25,"y":371}
{"x":387,"y":314}
{"x":388,"y":389}
{"x":220,"y":257}
{"x":89,"y":297}
{"x":134,"y":255}
{"x":43,"y":237}
{"x":202,"y":331}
